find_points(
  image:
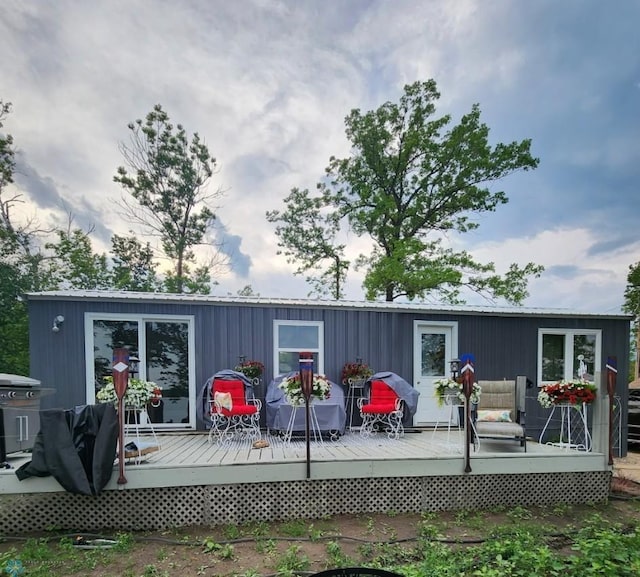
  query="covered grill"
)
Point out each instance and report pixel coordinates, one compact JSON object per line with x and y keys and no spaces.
{"x":19,"y":413}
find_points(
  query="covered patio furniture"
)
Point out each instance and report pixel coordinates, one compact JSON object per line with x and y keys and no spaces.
{"x":282,"y":417}
{"x":500,"y":413}
{"x":234,"y":412}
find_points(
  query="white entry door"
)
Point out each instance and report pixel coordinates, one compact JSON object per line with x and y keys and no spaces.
{"x":434,"y":347}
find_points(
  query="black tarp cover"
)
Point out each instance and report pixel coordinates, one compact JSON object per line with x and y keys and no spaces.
{"x":75,"y":446}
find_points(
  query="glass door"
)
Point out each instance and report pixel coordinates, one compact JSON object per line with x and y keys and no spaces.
{"x":163,"y":346}
{"x":434,"y":349}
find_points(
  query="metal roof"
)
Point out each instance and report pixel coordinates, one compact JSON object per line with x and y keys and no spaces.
{"x":129,"y":296}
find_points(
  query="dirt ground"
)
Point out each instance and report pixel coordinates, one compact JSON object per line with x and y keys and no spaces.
{"x":627,"y":468}
{"x":307,"y":546}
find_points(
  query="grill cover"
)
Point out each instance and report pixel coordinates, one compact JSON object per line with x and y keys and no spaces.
{"x":76,"y":446}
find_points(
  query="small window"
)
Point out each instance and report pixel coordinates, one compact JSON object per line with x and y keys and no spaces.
{"x":293,"y":337}
{"x":568,"y":355}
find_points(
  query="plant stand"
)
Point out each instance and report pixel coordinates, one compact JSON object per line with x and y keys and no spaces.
{"x":135,"y":417}
{"x":355,"y":391}
{"x":314,"y":425}
{"x":456,"y":425}
{"x":574,"y":429}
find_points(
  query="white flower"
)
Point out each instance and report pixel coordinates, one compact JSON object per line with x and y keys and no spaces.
{"x":292,"y":387}
{"x":138,"y":392}
{"x":447,"y":387}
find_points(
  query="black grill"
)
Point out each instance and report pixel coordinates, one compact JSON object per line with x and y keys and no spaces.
{"x":19,"y":413}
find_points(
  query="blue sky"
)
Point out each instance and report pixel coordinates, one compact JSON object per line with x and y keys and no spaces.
{"x":268,"y":83}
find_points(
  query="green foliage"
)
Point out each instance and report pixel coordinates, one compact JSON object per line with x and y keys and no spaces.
{"x":292,"y":561}
{"x":7,"y":154}
{"x":411,"y":178}
{"x":295,"y":528}
{"x":632,"y":306}
{"x":632,"y":291}
{"x":266,"y":546}
{"x":606,"y":551}
{"x":75,"y":264}
{"x":337,"y":557}
{"x":14,"y":323}
{"x":133,"y":267}
{"x":307,"y":235}
{"x":167,"y":174}
{"x":260,"y":529}
{"x":232,"y":532}
{"x":9,"y":559}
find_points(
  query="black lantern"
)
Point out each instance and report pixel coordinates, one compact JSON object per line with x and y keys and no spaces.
{"x":134,"y":365}
{"x":454,"y":367}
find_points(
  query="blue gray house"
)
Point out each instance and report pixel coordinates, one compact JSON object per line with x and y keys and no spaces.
{"x":181,"y":340}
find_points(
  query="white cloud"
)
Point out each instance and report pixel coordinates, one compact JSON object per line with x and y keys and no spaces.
{"x":573,"y":278}
{"x":268,"y":84}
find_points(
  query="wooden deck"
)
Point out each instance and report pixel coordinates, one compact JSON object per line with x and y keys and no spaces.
{"x":189,"y":460}
{"x":192,"y":482}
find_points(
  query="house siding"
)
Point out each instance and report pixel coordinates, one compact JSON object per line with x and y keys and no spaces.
{"x":504,"y":345}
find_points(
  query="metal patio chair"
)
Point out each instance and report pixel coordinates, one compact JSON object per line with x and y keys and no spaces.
{"x":383,"y":409}
{"x":232,"y":413}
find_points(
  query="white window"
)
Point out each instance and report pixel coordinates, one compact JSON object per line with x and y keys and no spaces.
{"x":165,"y":346}
{"x":291,"y":338}
{"x":568,"y":354}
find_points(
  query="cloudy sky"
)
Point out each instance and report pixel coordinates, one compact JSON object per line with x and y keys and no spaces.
{"x":267,"y":84}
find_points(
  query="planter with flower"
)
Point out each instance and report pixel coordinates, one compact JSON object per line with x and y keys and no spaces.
{"x":137,"y":395}
{"x":449,"y":392}
{"x":251,"y":369}
{"x":292,"y":387}
{"x":355,"y":373}
{"x":574,"y":393}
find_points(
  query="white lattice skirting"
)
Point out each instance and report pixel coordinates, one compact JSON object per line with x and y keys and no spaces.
{"x":162,"y":508}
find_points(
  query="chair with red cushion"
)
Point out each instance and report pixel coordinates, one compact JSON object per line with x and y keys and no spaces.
{"x":383,"y":409}
{"x":232,"y":414}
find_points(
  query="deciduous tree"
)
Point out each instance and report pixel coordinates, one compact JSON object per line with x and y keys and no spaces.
{"x":168,"y":175}
{"x":307,"y":236}
{"x":410,"y":179}
{"x":133,"y":266}
{"x":632,"y":306}
{"x":74,"y":263}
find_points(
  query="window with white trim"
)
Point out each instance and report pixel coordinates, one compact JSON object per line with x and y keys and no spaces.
{"x":290,"y":338}
{"x":568,"y":354}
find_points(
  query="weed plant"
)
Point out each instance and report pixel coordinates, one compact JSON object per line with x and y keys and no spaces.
{"x":524,"y":545}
